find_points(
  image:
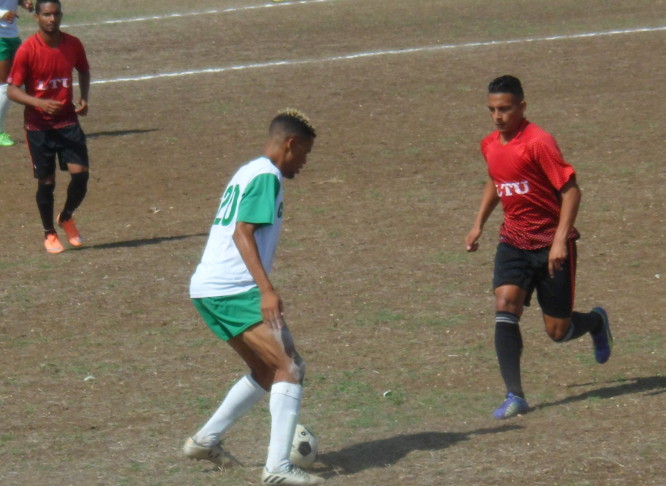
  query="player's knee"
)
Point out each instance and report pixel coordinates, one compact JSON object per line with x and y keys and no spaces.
{"x":559,"y":331}
{"x":298,"y":369}
{"x":507,"y":304}
{"x":45,"y":193}
{"x":80,"y":180}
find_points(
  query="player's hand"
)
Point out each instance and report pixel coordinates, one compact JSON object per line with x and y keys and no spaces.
{"x":556,"y":258}
{"x":9,"y":16}
{"x":50,"y":107}
{"x":271,"y":309}
{"x":472,"y":239}
{"x":82,"y":108}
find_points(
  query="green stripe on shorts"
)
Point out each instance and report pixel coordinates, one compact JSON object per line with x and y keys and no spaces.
{"x":230,"y":315}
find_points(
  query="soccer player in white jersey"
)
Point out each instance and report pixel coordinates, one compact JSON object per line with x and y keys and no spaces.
{"x":9,"y":44}
{"x":232,"y":291}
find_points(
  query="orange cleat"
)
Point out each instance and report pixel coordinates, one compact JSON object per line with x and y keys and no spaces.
{"x":72,"y":233}
{"x":52,"y":244}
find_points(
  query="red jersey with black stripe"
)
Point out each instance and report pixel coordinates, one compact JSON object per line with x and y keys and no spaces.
{"x":529,"y":173}
{"x":47,"y":74}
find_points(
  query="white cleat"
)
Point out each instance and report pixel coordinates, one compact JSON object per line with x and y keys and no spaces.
{"x":292,"y":476}
{"x":214,"y":453}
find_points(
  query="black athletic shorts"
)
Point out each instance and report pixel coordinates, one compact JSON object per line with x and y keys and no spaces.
{"x":68,"y":144}
{"x":528,"y":269}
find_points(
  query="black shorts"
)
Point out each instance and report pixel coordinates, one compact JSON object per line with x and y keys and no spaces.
{"x":68,"y":144}
{"x":528,"y":269}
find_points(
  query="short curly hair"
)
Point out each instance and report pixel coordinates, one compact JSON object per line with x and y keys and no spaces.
{"x":292,"y":122}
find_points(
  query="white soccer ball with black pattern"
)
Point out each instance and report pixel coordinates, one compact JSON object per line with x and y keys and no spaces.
{"x":303,"y":447}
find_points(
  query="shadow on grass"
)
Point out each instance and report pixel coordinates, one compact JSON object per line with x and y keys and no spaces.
{"x":386,"y":452}
{"x":136,"y":243}
{"x":655,"y":385}
{"x":119,"y":133}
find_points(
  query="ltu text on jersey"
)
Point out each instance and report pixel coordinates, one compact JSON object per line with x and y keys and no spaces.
{"x":511,"y":188}
{"x":53,"y":84}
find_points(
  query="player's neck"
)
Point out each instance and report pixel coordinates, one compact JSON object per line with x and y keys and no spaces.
{"x":506,"y":137}
{"x":51,"y":39}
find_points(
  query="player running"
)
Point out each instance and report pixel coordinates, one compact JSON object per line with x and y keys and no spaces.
{"x":231,"y":290}
{"x":537,"y":249}
{"x":45,"y":63}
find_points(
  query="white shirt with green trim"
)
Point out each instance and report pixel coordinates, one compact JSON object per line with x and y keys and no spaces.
{"x":254,"y":195}
{"x":8,"y":29}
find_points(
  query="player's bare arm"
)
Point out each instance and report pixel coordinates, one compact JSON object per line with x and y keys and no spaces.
{"x":17,"y":95}
{"x":8,"y":16}
{"x":571,"y":197}
{"x":489,"y":201}
{"x":271,"y":304}
{"x":84,"y":86}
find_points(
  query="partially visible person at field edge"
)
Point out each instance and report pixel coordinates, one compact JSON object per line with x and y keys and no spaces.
{"x":45,"y":63}
{"x":9,"y":44}
{"x":537,"y":248}
{"x":232,"y":291}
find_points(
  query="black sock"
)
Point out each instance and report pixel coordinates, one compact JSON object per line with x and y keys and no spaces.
{"x":509,"y":347}
{"x":584,"y":323}
{"x":44,"y":198}
{"x":76,"y":191}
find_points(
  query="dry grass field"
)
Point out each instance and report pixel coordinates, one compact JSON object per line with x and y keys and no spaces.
{"x":106,"y":367}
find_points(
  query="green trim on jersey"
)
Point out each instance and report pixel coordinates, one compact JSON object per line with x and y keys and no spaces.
{"x":257,"y":206}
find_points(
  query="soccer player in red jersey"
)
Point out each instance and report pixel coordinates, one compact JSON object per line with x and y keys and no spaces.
{"x":44,"y":64}
{"x":537,"y":249}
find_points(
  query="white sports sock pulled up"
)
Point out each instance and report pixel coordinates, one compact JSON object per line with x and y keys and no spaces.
{"x":4,"y":106}
{"x":239,"y":400}
{"x":285,"y":404}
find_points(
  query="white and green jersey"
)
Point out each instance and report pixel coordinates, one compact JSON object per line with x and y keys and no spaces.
{"x":254,"y":195}
{"x":8,"y":29}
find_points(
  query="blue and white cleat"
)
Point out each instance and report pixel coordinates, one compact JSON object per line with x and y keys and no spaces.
{"x":602,"y":339}
{"x":512,"y":406}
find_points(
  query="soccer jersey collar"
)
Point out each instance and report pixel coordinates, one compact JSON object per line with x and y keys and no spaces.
{"x":519,"y":132}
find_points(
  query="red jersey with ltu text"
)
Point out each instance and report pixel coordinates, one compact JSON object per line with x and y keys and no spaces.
{"x":529,"y":173}
{"x":47,"y":73}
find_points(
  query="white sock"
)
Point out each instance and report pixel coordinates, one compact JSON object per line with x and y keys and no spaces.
{"x":285,"y":404}
{"x":4,"y":106}
{"x":241,"y":397}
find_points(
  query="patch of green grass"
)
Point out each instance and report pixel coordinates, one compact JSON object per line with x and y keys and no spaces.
{"x":382,"y":316}
{"x":642,"y":344}
{"x":448,"y":257}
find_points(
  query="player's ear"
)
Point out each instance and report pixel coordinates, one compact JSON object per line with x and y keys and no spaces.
{"x":290,"y":143}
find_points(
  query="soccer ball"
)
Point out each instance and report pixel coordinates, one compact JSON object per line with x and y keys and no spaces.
{"x":303,"y":447}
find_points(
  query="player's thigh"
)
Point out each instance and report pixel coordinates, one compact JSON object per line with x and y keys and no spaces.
{"x":556,"y":294}
{"x":513,"y":278}
{"x":42,"y":153}
{"x":5,"y":67}
{"x":72,"y":149}
{"x":274,"y":347}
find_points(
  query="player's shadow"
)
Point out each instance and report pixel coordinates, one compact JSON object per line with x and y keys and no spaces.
{"x":139,"y":242}
{"x":119,"y":133}
{"x":653,"y":385}
{"x":386,"y":452}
